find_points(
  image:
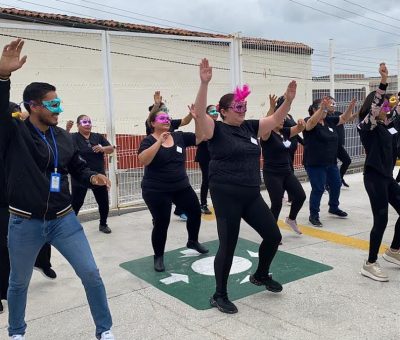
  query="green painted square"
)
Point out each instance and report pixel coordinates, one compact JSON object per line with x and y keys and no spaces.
{"x":196,"y":293}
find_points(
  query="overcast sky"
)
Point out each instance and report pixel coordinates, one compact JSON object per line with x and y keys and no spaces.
{"x":358,"y":48}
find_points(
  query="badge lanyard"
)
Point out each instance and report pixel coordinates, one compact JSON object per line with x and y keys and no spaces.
{"x":55,"y":178}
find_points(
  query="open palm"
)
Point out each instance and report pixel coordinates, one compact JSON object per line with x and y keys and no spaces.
{"x":11,"y":60}
{"x":291,"y":90}
{"x":205,"y":71}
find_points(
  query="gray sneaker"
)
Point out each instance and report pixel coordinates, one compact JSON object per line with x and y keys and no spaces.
{"x":293,"y":224}
{"x":374,"y":271}
{"x":392,"y":256}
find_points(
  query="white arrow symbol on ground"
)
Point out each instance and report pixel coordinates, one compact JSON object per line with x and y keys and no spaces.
{"x":246,"y":279}
{"x":189,"y":253}
{"x":252,"y":253}
{"x":175,"y":278}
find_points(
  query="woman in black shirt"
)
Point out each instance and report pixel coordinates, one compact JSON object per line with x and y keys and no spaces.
{"x":278,"y":173}
{"x":320,"y":154}
{"x":203,"y":158}
{"x":235,"y":182}
{"x":165,"y":181}
{"x":92,"y":148}
{"x":377,"y":134}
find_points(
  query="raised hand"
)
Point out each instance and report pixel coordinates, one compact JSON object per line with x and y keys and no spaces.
{"x":326,"y":101}
{"x":69,"y":125}
{"x":291,"y":91}
{"x":11,"y":60}
{"x":352,"y":104}
{"x":205,"y":71}
{"x":272,"y":100}
{"x":157,"y":98}
{"x":301,"y":124}
{"x":383,"y":71}
{"x":192,"y":111}
{"x":100,"y":180}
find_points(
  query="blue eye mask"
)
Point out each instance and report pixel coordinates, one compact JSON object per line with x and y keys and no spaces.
{"x":54,"y":105}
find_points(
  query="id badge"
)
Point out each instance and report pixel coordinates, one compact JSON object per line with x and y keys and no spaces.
{"x":179,"y":149}
{"x":253,"y":140}
{"x":55,"y":182}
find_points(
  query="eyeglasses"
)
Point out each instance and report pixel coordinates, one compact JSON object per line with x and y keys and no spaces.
{"x":240,"y":107}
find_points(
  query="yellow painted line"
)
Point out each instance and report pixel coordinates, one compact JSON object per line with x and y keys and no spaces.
{"x":333,"y":237}
{"x":321,"y":234}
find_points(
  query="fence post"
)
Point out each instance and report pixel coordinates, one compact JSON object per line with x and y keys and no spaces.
{"x":110,"y":127}
{"x":236,"y":60}
{"x":331,"y":69}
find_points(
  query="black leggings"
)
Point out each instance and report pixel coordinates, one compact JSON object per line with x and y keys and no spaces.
{"x":204,"y":182}
{"x":100,"y":194}
{"x":344,"y":157}
{"x":42,"y":260}
{"x":276,"y":185}
{"x":382,"y":192}
{"x":231,"y":204}
{"x":160,"y":203}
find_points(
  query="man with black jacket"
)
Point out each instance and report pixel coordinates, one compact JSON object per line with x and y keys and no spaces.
{"x":38,"y":157}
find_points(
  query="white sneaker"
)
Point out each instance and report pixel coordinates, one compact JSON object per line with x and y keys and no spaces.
{"x":374,"y":272}
{"x":392,"y":256}
{"x":293,"y":224}
{"x":17,"y":337}
{"x":107,"y":335}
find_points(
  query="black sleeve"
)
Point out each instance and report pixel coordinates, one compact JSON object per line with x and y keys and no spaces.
{"x":333,"y":120}
{"x":253,"y":124}
{"x":300,"y":139}
{"x":6,"y":121}
{"x":78,"y":169}
{"x":145,"y":144}
{"x":175,"y":124}
{"x":103,"y":141}
{"x":189,"y":138}
{"x":286,"y":133}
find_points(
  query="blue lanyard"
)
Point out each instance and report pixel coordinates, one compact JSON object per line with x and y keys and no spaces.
{"x":55,"y":150}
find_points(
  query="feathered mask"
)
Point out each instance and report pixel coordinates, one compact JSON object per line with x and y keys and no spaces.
{"x":241,"y":93}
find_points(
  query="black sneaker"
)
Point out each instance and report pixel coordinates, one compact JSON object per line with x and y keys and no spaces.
{"x":271,"y":285}
{"x":338,"y":212}
{"x":314,"y":220}
{"x":48,"y":273}
{"x":104,"y":228}
{"x":197,"y":246}
{"x":159,"y":263}
{"x":345,"y":184}
{"x":205,"y":210}
{"x":1,"y":307}
{"x":223,"y":304}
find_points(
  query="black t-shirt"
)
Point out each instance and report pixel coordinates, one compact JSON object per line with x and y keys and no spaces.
{"x":3,"y":189}
{"x":276,"y":152}
{"x":321,"y":143}
{"x":167,"y":171}
{"x":175,"y":124}
{"x":339,"y":128}
{"x":235,"y":154}
{"x":290,"y":122}
{"x":202,"y":153}
{"x":95,"y":161}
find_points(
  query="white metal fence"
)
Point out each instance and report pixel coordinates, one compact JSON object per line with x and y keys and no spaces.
{"x":111,"y":76}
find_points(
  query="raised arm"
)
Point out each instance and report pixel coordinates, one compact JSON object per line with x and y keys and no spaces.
{"x":295,"y":130}
{"x":10,"y":61}
{"x":272,"y":103}
{"x":204,"y":123}
{"x":186,"y":120}
{"x":269,"y":123}
{"x":318,"y":115}
{"x":347,"y":115}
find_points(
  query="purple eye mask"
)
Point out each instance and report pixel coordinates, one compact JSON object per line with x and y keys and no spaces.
{"x":85,"y":122}
{"x":162,"y":118}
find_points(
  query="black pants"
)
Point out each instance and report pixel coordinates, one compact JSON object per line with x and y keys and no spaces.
{"x":382,"y":192}
{"x":276,"y":185}
{"x":100,"y":194}
{"x":204,"y":182}
{"x":42,"y":260}
{"x":344,"y":157}
{"x":231,"y":204}
{"x":160,"y":203}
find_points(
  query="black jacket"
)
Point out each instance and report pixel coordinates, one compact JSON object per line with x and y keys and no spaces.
{"x":29,"y":162}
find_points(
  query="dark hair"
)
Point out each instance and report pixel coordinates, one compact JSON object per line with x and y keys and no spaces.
{"x":151,"y":119}
{"x":80,"y":117}
{"x":36,"y":92}
{"x":224,"y":103}
{"x":366,"y":106}
{"x":279,"y":102}
{"x":13,"y":107}
{"x":151,"y":106}
{"x":314,"y":106}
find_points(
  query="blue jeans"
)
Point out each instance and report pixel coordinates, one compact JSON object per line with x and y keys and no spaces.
{"x":319,"y":176}
{"x":25,"y":238}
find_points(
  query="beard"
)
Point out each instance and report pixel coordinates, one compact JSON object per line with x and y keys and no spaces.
{"x":47,"y":120}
